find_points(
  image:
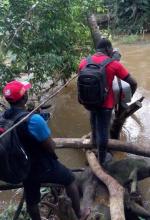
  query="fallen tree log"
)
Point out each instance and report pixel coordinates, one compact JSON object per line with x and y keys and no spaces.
{"x":116,"y":191}
{"x":114,"y":145}
{"x":94,"y":192}
{"x":121,"y":115}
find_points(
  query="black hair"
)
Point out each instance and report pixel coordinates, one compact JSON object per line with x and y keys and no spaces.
{"x":23,"y":99}
{"x":104,"y":44}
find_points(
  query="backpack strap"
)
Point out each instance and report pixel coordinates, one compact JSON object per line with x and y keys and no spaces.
{"x":105,"y":62}
{"x":102,"y":66}
{"x":89,"y":60}
{"x":19,"y":115}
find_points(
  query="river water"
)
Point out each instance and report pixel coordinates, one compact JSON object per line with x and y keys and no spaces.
{"x":71,"y":120}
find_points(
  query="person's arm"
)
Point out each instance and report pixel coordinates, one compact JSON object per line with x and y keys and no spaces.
{"x":39,"y":129}
{"x":132,"y":82}
{"x":123,"y":73}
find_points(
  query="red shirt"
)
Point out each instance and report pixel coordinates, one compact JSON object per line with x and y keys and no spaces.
{"x":114,"y":68}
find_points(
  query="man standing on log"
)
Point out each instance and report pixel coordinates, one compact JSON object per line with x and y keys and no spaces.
{"x":88,"y":88}
{"x":35,"y":137}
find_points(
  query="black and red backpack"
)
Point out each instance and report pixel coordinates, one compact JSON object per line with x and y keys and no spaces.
{"x":92,"y":84}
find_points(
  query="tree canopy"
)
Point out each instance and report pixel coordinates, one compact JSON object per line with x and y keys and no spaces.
{"x":43,"y":38}
{"x":46,"y":38}
{"x":130,"y":16}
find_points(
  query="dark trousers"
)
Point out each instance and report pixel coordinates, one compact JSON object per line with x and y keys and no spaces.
{"x":100,"y":125}
{"x":50,"y":171}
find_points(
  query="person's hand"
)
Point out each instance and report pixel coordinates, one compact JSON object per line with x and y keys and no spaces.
{"x":116,"y":54}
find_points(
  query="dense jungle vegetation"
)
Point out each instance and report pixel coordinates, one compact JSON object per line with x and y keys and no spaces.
{"x":48,"y":37}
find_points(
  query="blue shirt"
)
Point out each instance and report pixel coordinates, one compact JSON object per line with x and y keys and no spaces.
{"x":38,"y":127}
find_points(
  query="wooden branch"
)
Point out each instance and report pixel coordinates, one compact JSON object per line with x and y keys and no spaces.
{"x":116,"y":191}
{"x":133,"y":179}
{"x":114,"y":145}
{"x":121,"y":117}
{"x":132,"y":108}
{"x":142,"y":173}
{"x":88,"y":189}
{"x":142,"y":150}
{"x":65,"y":211}
{"x":137,"y":209}
{"x":50,"y":205}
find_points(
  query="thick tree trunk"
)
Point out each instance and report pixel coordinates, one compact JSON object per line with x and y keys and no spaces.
{"x":116,"y":191}
{"x":96,"y":36}
{"x":103,"y":20}
{"x":121,"y":116}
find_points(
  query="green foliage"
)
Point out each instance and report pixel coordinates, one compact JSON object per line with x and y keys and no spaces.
{"x":130,"y":16}
{"x":129,"y":39}
{"x":45,"y":38}
{"x":8,"y":214}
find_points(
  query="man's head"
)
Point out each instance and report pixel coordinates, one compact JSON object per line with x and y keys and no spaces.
{"x":105,"y":47}
{"x":15,"y":92}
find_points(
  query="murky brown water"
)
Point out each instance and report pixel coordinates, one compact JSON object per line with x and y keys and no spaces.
{"x":71,"y":120}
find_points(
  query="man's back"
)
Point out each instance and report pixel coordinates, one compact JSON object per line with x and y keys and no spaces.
{"x":112,"y":69}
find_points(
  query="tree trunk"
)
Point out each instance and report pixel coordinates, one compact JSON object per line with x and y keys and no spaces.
{"x":114,"y":145}
{"x":116,"y":191}
{"x":103,"y":20}
{"x":121,"y":116}
{"x":96,"y":36}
